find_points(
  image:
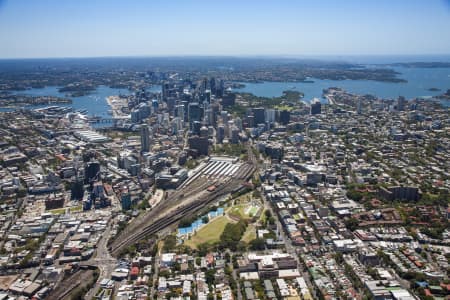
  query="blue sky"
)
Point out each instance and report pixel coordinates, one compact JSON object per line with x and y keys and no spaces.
{"x":79,"y":28}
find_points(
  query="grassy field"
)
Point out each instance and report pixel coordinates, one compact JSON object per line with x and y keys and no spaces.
{"x":249,"y":234}
{"x":209,"y":233}
{"x":76,"y":208}
{"x":58,"y":211}
{"x":243,"y":211}
{"x":252,"y":211}
{"x":61,"y":211}
{"x":238,"y":210}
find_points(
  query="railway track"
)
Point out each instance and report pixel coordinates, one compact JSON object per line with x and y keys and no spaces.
{"x":166,"y":220}
{"x":177,"y":214}
{"x":173,"y":200}
{"x":63,"y":290}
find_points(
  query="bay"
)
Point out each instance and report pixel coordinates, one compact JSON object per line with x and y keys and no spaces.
{"x":419,"y":80}
{"x":95,"y":103}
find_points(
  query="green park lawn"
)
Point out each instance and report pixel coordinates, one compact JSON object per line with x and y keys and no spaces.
{"x":249,"y":234}
{"x":209,"y":233}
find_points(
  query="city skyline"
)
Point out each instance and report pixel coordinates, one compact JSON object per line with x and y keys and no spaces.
{"x":51,"y":29}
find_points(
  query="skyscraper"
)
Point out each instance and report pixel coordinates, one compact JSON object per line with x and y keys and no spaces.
{"x":359,"y":106}
{"x":165,"y":91}
{"x":285,"y":117}
{"x":229,"y":99}
{"x":195,"y":113}
{"x":126,"y":200}
{"x":145,"y":138}
{"x":234,"y":135}
{"x":270,"y":115}
{"x":316,"y":107}
{"x":92,"y":172}
{"x":401,"y":102}
{"x":220,"y":134}
{"x":199,"y":144}
{"x":260,"y":115}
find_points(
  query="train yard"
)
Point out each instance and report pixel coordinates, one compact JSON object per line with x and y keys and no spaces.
{"x":209,"y":183}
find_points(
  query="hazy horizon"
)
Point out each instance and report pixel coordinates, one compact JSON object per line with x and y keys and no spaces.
{"x":352,"y":59}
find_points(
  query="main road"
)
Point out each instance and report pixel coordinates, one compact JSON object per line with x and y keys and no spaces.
{"x":103,"y":260}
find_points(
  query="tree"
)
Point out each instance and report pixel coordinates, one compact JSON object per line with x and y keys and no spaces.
{"x":257,"y":244}
{"x":170,"y":242}
{"x":339,"y":258}
{"x":202,"y":249}
{"x":355,"y":195}
{"x":209,"y":276}
{"x":232,"y":234}
{"x":186,"y":221}
{"x":21,"y":193}
{"x":351,"y":224}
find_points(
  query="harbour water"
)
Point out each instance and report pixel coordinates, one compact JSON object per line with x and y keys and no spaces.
{"x":95,"y":103}
{"x":419,"y":81}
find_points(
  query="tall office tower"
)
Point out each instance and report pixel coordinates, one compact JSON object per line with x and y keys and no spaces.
{"x":401,"y":102}
{"x":176,"y":125}
{"x":210,"y":117}
{"x":234,"y":135}
{"x":195,"y":112}
{"x":205,"y":97}
{"x":186,"y":108}
{"x":145,"y":139}
{"x":171,"y":103}
{"x":92,"y":172}
{"x":77,"y":190}
{"x":155,"y":105}
{"x":179,"y":112}
{"x":196,"y":127}
{"x":215,"y":106}
{"x":220,"y":134}
{"x":125,"y":200}
{"x":238,"y":123}
{"x":259,"y":115}
{"x":270,"y":115}
{"x":285,"y":117}
{"x":250,"y":121}
{"x":204,"y":85}
{"x":212,"y":85}
{"x":199,"y":144}
{"x":224,"y":116}
{"x":359,"y":106}
{"x":228,"y":99}
{"x":204,"y":132}
{"x":220,"y":88}
{"x":316,"y":107}
{"x":165,"y":91}
{"x":135,"y":116}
